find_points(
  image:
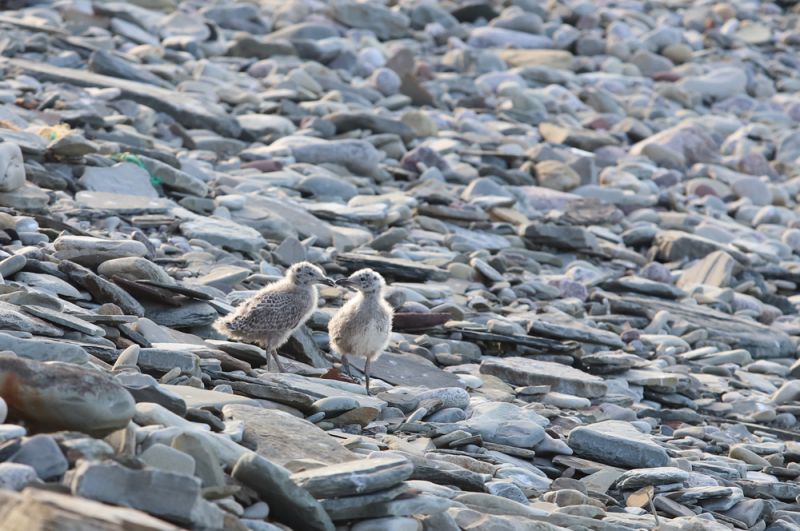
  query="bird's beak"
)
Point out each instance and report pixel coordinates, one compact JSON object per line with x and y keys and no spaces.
{"x":327,"y":281}
{"x":346,"y":283}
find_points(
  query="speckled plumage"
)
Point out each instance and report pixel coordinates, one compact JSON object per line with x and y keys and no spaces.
{"x":363,"y":325}
{"x":270,"y":317}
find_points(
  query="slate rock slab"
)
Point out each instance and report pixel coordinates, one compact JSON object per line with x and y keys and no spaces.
{"x":507,"y":424}
{"x":157,"y":492}
{"x":354,"y":477}
{"x":288,"y":502}
{"x":281,"y":437}
{"x":760,"y":340}
{"x":405,"y":369}
{"x":184,"y":108}
{"x":617,"y":443}
{"x":44,"y":509}
{"x":561,"y":378}
{"x":225,"y":233}
{"x":54,"y":396}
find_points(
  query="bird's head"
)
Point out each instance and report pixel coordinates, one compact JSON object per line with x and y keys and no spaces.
{"x":307,"y":274}
{"x":365,"y":281}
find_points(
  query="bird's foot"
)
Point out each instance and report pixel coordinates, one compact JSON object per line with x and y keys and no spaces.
{"x":278,"y":363}
{"x":336,"y":374}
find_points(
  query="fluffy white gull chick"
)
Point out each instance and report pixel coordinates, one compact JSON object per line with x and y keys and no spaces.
{"x":272,"y":314}
{"x":362,"y":326}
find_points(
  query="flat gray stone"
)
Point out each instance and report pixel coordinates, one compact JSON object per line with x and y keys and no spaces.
{"x":509,"y":424}
{"x":13,"y":319}
{"x":385,"y":23}
{"x":103,"y":62}
{"x":642,"y":477}
{"x":646,"y":287}
{"x":163,"y":360}
{"x":676,"y":245}
{"x":288,"y":503}
{"x":561,"y":378}
{"x":45,"y":509}
{"x":747,"y":511}
{"x":101,"y":289}
{"x":355,"y":477}
{"x":162,"y":457}
{"x":88,"y":251}
{"x":559,"y":236}
{"x":65,"y":320}
{"x":713,"y":270}
{"x":497,"y":505}
{"x":174,"y":497}
{"x":190,"y":315}
{"x":58,"y":396}
{"x":617,"y":443}
{"x":174,"y":178}
{"x":123,"y":178}
{"x":721,"y":83}
{"x":202,"y":398}
{"x":739,"y":333}
{"x":718,"y":498}
{"x":572,"y":329}
{"x":186,"y":109}
{"x":122,"y":203}
{"x":145,"y":388}
{"x":28,"y":198}
{"x":205,"y":463}
{"x":42,"y":349}
{"x":12,"y":264}
{"x":313,"y":389}
{"x":338,"y":508}
{"x":48,"y":283}
{"x":281,"y":437}
{"x":15,"y":476}
{"x":134,"y":268}
{"x":404,"y":369}
{"x":223,"y":277}
{"x":43,"y":454}
{"x":224,"y":233}
{"x":412,"y":506}
{"x":334,"y":405}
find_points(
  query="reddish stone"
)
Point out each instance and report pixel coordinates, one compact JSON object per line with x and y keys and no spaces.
{"x":666,"y":75}
{"x":266,"y":166}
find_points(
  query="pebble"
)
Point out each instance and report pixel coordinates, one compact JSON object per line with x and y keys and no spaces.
{"x":43,"y":454}
{"x":15,"y":476}
{"x":12,"y":168}
{"x":614,"y":441}
{"x":63,"y":396}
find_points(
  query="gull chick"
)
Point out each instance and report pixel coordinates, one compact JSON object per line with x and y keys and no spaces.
{"x":272,"y":314}
{"x":362,"y":326}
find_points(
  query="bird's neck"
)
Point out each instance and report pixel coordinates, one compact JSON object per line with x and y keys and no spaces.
{"x":370,"y":295}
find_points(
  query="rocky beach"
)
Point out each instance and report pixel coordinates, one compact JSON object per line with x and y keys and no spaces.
{"x":586,"y":213}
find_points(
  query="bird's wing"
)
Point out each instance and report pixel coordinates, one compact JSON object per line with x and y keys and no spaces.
{"x":270,"y":312}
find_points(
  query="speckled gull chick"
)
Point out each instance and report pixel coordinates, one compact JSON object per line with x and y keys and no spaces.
{"x":272,"y":314}
{"x":362,"y":326}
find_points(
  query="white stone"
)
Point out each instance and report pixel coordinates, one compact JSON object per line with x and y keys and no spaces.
{"x":12,"y":168}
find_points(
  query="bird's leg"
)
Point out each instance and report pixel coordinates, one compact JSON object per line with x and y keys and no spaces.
{"x":346,"y":366}
{"x":366,"y":375}
{"x":277,"y":361}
